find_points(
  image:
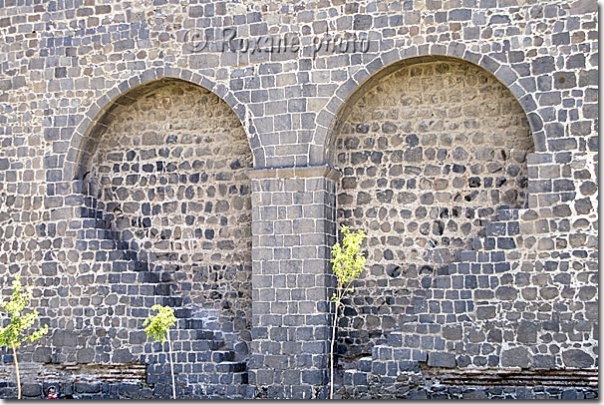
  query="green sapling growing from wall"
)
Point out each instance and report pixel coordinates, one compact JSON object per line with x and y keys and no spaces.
{"x":348,"y":262}
{"x":20,"y":321}
{"x":157,"y":328}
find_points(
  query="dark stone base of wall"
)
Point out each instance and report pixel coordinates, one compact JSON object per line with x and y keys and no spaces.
{"x":363,"y":379}
{"x":127,"y":390}
{"x":466,"y":392}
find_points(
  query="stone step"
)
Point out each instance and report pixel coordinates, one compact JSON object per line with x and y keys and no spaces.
{"x":207,"y":345}
{"x":113,"y":248}
{"x":98,"y":244}
{"x":401,"y":338}
{"x":220,"y":356}
{"x":197,"y":334}
{"x":500,"y":233}
{"x":208,"y":374}
{"x":405,"y":354}
{"x":181,"y":313}
{"x":122,"y":254}
{"x":364,"y":364}
{"x":147,"y":277}
{"x":472,"y":256}
{"x":388,"y":362}
{"x":355,"y":377}
{"x":499,"y":229}
{"x":91,"y":222}
{"x":231,"y":367}
{"x":103,"y":218}
{"x":203,"y":334}
{"x":88,"y":212}
{"x":106,"y":255}
{"x":241,"y":378}
{"x":508,"y":214}
{"x":123,"y":265}
{"x":172,"y":301}
{"x":192,"y":335}
{"x":143,"y":278}
{"x":194,"y":323}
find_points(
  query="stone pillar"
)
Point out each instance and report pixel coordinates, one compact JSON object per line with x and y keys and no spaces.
{"x":293,"y":229}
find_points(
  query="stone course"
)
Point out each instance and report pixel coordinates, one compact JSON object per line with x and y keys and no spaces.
{"x":463,"y":139}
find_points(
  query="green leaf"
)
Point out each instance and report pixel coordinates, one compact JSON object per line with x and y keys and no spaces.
{"x":158,"y":325}
{"x":21,"y":321}
{"x":347,"y":258}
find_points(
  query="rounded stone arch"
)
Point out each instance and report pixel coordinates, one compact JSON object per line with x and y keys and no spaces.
{"x":160,"y":165}
{"x":328,"y":120}
{"x":430,"y":150}
{"x":86,"y":134}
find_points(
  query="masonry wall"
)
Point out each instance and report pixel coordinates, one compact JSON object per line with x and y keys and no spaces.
{"x":466,"y":271}
{"x":170,"y":173}
{"x":429,"y":155}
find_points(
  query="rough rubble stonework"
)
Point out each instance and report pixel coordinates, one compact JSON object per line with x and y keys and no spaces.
{"x":428,"y":156}
{"x":178,"y":194}
{"x":153,"y":152}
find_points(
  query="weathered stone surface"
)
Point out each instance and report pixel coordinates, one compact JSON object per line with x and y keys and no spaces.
{"x":515,"y":357}
{"x":577,"y":358}
{"x":506,"y":293}
{"x":186,"y":192}
{"x":452,"y":332}
{"x":486,"y":312}
{"x":87,"y":388}
{"x":548,"y":293}
{"x":65,"y":338}
{"x":441,"y":164}
{"x":31,"y":390}
{"x":439,"y":359}
{"x":583,"y":206}
{"x":472,"y":166}
{"x":42,"y":354}
{"x":527,"y":332}
{"x":85,"y":355}
{"x":122,"y":356}
{"x":586,"y":293}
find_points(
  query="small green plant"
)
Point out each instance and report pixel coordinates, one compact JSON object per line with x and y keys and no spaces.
{"x":157,"y":328}
{"x":348,"y":262}
{"x":16,"y":332}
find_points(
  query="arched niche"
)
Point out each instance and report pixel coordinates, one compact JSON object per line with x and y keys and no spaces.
{"x":165,"y":166}
{"x":429,"y":152}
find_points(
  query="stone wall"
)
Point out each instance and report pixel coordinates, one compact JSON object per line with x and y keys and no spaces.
{"x":505,"y":278}
{"x":170,"y":172}
{"x":429,"y":155}
{"x":294,"y":227}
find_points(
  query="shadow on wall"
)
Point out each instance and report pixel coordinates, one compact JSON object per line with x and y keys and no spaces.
{"x":168,"y":172}
{"x":429,"y":154}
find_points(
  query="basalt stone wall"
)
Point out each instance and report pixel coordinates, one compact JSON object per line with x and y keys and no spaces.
{"x":513,"y":286}
{"x":170,"y":171}
{"x":429,"y":155}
